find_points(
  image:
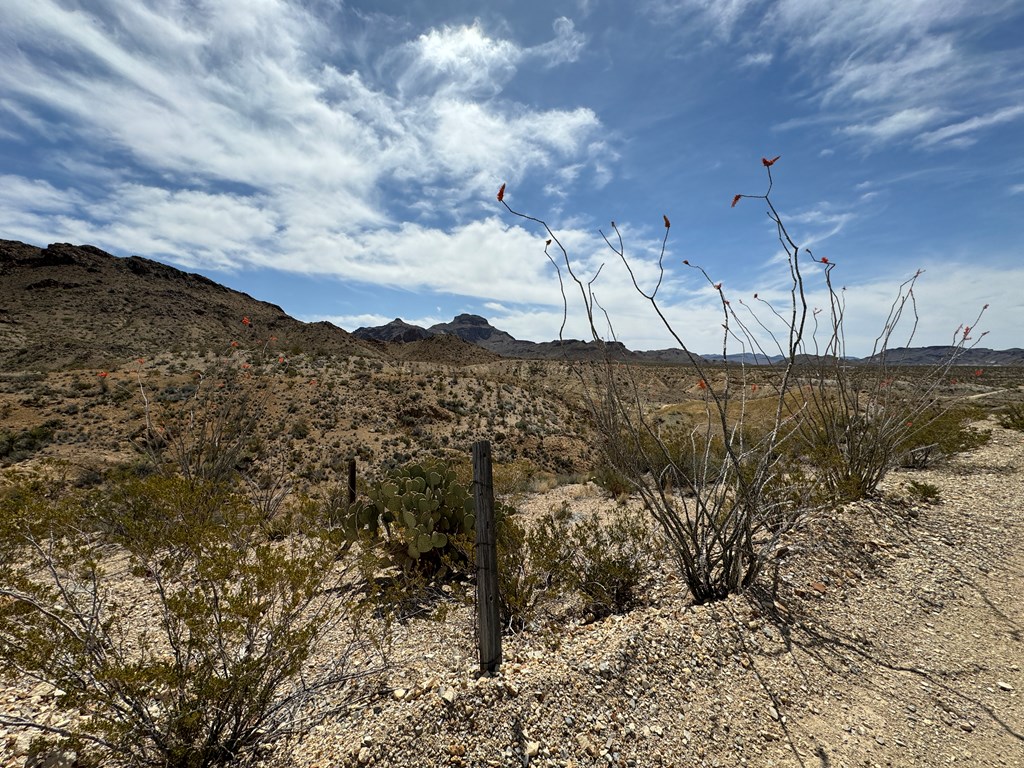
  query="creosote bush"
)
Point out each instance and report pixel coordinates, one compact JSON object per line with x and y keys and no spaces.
{"x":603,"y":561}
{"x":174,"y":632}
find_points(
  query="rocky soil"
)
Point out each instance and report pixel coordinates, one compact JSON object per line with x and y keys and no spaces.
{"x":894,"y":638}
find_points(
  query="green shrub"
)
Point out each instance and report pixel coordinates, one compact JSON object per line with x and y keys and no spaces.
{"x":18,"y":446}
{"x":937,"y":433}
{"x":161,"y":610}
{"x":1012,"y":418}
{"x":610,"y":560}
{"x":605,"y":562}
{"x":534,"y":564}
{"x":925,"y":493}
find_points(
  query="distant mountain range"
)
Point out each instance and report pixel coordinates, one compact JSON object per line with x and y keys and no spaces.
{"x":478,"y":330}
{"x":78,"y":306}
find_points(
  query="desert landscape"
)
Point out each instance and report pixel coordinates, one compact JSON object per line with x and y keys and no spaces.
{"x":884,"y":631}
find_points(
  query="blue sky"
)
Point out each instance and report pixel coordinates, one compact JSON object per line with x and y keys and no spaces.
{"x":341,"y":159}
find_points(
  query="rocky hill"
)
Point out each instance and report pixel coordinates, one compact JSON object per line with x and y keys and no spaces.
{"x":67,"y":306}
{"x":397,"y":331}
{"x":980,"y":356}
{"x":479,"y":331}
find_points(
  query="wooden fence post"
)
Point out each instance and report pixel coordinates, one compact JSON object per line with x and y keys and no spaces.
{"x":487,"y":606}
{"x":352,"y":481}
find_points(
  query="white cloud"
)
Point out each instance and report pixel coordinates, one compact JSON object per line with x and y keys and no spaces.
{"x":458,"y":61}
{"x":566,"y":46}
{"x":957,"y":131}
{"x":721,"y":15}
{"x":878,"y":66}
{"x":759,"y":59}
{"x":242,"y":139}
{"x":905,"y":121}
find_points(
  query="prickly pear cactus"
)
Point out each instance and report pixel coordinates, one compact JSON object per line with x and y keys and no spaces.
{"x":422,"y":506}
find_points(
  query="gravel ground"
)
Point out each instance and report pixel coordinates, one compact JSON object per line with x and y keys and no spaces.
{"x":895,"y":638}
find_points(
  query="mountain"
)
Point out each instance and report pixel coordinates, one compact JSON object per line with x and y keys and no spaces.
{"x":478,"y":330}
{"x":67,"y":306}
{"x":978,"y":356}
{"x":397,"y":330}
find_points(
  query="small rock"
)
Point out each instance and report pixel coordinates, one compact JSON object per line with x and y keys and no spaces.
{"x":448,"y":694}
{"x":365,"y":755}
{"x":773,"y":712}
{"x":56,"y":758}
{"x":966,"y":726}
{"x":532,"y":748}
{"x":398,"y":694}
{"x":586,"y":744}
{"x":1004,"y":686}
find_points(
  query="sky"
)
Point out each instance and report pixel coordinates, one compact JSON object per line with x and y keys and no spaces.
{"x":342,"y":159}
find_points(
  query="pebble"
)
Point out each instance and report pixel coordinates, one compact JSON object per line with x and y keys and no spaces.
{"x":448,"y":694}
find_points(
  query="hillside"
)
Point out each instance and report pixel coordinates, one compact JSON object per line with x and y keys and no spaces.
{"x":67,"y":306}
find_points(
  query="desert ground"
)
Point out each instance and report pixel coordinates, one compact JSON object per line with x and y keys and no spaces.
{"x":889,"y":633}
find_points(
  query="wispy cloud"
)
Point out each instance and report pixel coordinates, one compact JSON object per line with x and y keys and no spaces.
{"x":906,"y":121}
{"x":959,"y":134}
{"x":881,"y":70}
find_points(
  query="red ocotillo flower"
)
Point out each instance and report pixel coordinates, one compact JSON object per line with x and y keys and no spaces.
{"x":246,"y":321}
{"x":824,"y":260}
{"x":769,"y":163}
{"x":501,"y":193}
{"x":103,"y":374}
{"x":667,"y":222}
{"x":702,"y":384}
{"x":735,"y":200}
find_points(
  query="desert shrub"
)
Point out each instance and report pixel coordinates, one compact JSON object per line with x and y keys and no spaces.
{"x":615,"y":484}
{"x":175,"y":633}
{"x":938,"y":433}
{"x":521,"y":585}
{"x":603,"y":561}
{"x":1012,"y":418}
{"x":925,"y":493}
{"x":208,"y":436}
{"x":610,"y":560}
{"x":18,"y":446}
